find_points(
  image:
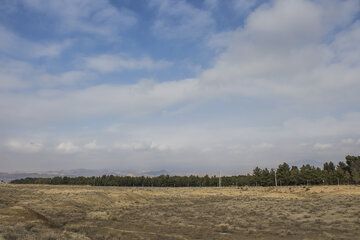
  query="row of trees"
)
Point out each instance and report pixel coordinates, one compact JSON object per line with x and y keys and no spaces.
{"x":343,"y":173}
{"x":159,"y":181}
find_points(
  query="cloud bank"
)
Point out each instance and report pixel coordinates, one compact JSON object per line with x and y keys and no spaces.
{"x":281,"y":86}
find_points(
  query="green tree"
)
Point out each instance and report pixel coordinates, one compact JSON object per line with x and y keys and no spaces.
{"x":283,"y":174}
{"x":257,"y":176}
{"x":294,"y":175}
{"x":354,"y":165}
{"x":265,"y":178}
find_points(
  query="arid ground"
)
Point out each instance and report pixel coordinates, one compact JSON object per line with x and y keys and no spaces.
{"x":85,"y":212}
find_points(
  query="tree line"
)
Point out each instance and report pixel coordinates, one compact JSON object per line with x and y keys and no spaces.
{"x":347,"y":172}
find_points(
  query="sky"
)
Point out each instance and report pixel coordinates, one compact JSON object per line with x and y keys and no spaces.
{"x":186,"y":86}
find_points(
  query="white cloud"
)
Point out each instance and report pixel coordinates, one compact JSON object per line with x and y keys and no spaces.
{"x":24,"y":147}
{"x":244,"y":5}
{"x":50,"y":50}
{"x":322,"y":146}
{"x":179,"y":19}
{"x":144,"y":97}
{"x":281,"y":52}
{"x":116,"y":63}
{"x":257,"y":63}
{"x":296,"y":74}
{"x":264,"y":146}
{"x":159,"y":147}
{"x":347,"y":141}
{"x":14,"y":45}
{"x":22,"y":75}
{"x":211,"y":4}
{"x":220,"y":40}
{"x":16,"y":74}
{"x":67,"y":148}
{"x":93,"y":146}
{"x":10,"y":82}
{"x":95,"y":17}
{"x":323,"y":127}
{"x":141,"y":146}
{"x":65,"y":78}
{"x":346,"y":47}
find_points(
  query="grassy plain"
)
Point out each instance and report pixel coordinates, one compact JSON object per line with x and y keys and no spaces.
{"x":85,"y":212}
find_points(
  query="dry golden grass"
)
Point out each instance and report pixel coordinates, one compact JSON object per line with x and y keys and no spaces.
{"x":85,"y":212}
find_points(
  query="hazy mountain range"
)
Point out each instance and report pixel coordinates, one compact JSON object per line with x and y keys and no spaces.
{"x":8,"y":176}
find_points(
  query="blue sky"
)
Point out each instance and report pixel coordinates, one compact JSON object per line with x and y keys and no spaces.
{"x":187,"y":86}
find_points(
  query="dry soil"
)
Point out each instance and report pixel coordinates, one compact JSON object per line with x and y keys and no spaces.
{"x":85,"y":212}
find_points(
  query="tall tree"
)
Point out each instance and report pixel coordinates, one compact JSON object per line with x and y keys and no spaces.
{"x":354,"y":165}
{"x":283,"y":174}
{"x":294,"y":176}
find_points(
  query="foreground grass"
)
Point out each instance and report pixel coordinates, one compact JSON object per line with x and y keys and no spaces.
{"x":85,"y":212}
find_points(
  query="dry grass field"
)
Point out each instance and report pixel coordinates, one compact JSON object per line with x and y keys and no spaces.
{"x":85,"y":212}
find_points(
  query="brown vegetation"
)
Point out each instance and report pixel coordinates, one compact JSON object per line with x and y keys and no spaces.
{"x":84,"y":212}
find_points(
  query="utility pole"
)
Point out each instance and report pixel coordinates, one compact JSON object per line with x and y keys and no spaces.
{"x":275,"y":179}
{"x":220,"y":180}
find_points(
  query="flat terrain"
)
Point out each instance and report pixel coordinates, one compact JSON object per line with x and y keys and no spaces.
{"x":85,"y":212}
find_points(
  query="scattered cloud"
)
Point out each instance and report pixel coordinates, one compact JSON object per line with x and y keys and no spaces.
{"x":282,"y":86}
{"x":220,"y":40}
{"x":280,"y":52}
{"x":16,"y":74}
{"x":94,"y":17}
{"x":93,"y":146}
{"x":179,"y":19}
{"x":67,"y":148}
{"x":141,"y":146}
{"x":65,"y":78}
{"x":138,"y":99}
{"x":322,"y":146}
{"x":244,"y":5}
{"x":24,"y":147}
{"x":211,"y":4}
{"x":23,"y":75}
{"x":264,"y":146}
{"x":14,"y":45}
{"x":347,"y":141}
{"x":117,"y":63}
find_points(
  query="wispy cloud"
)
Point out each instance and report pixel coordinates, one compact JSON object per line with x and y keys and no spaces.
{"x":23,"y":75}
{"x":16,"y":46}
{"x":94,"y":17}
{"x":67,"y":148}
{"x":179,"y":19}
{"x":117,"y":63}
{"x":281,"y":86}
{"x":347,"y":141}
{"x":244,"y":5}
{"x":322,"y":146}
{"x":93,"y":146}
{"x":24,"y":147}
{"x":137,"y":99}
{"x":280,"y":52}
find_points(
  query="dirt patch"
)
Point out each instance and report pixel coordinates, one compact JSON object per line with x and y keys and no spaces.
{"x":85,"y":212}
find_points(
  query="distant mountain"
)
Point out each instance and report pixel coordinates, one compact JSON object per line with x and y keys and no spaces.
{"x":9,"y":176}
{"x":155,"y":173}
{"x":299,"y":163}
{"x":86,"y":172}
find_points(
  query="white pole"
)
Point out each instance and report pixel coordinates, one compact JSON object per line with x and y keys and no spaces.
{"x":220,"y":179}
